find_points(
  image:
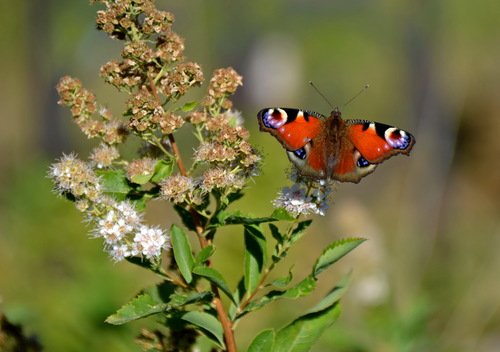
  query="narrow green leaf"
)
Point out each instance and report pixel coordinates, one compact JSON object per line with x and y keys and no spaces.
{"x":152,"y":300}
{"x":238,"y":295}
{"x":238,"y":218}
{"x":196,"y":297}
{"x":298,"y":231}
{"x":205,"y":254}
{"x":139,"y":307}
{"x":255,"y":254}
{"x":141,"y":179}
{"x":284,"y":281}
{"x":334,"y":295}
{"x":114,"y":181}
{"x":302,"y":333}
{"x":282,"y":214}
{"x":186,"y":216}
{"x":213,"y":276}
{"x":190,"y":105}
{"x":140,"y":261}
{"x":182,"y":252}
{"x":163,"y":169}
{"x":275,"y":232}
{"x":303,"y":288}
{"x":263,"y":342}
{"x":209,"y":325}
{"x":334,"y":252}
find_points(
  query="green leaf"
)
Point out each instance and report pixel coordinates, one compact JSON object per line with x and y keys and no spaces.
{"x":139,"y":307}
{"x":114,"y":181}
{"x":334,"y":252}
{"x":182,"y":252}
{"x":186,"y":216}
{"x":238,"y":295}
{"x":205,"y":254}
{"x":298,"y":231}
{"x":284,"y":281}
{"x":282,"y":214}
{"x":190,"y":105}
{"x":255,"y":254}
{"x":141,"y":179}
{"x":275,"y":232}
{"x":196,"y":297}
{"x":334,"y":295}
{"x":238,"y":218}
{"x":150,"y":301}
{"x":303,"y":288}
{"x":163,"y":169}
{"x":263,"y":342}
{"x":303,"y":332}
{"x":215,"y":277}
{"x":141,"y":261}
{"x":209,"y":325}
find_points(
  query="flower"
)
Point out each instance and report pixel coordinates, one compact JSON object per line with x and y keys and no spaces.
{"x":304,"y":198}
{"x":140,"y":168}
{"x":218,"y":178}
{"x":119,"y":252}
{"x":74,"y":176}
{"x":177,"y":189}
{"x":104,"y":155}
{"x":149,"y":241}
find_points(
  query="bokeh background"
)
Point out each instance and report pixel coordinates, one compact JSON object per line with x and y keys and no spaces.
{"x":428,"y":279}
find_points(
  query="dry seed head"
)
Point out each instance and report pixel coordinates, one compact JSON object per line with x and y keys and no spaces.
{"x":140,"y":167}
{"x":177,"y":189}
{"x":104,"y":155}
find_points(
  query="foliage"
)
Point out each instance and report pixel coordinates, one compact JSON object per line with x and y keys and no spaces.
{"x":113,"y":190}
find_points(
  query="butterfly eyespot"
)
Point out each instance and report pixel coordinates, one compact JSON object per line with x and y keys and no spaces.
{"x":397,"y":138}
{"x":300,"y":153}
{"x":362,"y":162}
{"x":274,"y":118}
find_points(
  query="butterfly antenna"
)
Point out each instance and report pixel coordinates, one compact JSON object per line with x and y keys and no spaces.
{"x":356,"y":95}
{"x":321,"y":94}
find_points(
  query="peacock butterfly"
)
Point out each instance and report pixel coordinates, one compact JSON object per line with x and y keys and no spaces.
{"x":332,"y":148}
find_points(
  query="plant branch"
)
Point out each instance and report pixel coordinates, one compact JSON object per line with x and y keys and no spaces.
{"x":226,"y":323}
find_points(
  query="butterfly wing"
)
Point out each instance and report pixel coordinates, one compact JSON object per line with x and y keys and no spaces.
{"x":344,"y":150}
{"x":364,"y":145}
{"x":296,"y":130}
{"x":358,"y":146}
{"x":293,"y":128}
{"x":377,"y":141}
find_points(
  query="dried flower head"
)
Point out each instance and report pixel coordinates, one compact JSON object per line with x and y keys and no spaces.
{"x":80,"y":100}
{"x":75,"y":177}
{"x":170,"y":47}
{"x":177,"y":189}
{"x":169,"y":122}
{"x":224,"y":82}
{"x":214,"y":152}
{"x":180,"y":78}
{"x":104,"y":155}
{"x":139,"y":168}
{"x":219,"y":178}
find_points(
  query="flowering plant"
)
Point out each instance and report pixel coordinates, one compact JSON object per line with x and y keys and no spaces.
{"x":112,"y":191}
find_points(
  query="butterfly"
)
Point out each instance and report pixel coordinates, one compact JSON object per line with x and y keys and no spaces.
{"x":333,"y":148}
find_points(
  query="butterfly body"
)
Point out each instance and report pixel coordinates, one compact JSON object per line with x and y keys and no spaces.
{"x":331,"y":147}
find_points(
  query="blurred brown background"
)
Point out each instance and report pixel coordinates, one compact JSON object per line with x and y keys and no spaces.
{"x":428,"y":278}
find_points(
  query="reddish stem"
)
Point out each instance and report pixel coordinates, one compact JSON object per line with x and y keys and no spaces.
{"x":226,"y":323}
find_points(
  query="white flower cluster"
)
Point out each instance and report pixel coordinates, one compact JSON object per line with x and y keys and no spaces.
{"x":301,"y":199}
{"x":117,"y":222}
{"x":125,"y":235}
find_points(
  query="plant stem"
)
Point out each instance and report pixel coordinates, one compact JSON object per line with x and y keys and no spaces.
{"x":226,"y":323}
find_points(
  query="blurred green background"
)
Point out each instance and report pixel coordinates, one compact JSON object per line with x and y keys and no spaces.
{"x":428,"y":279}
